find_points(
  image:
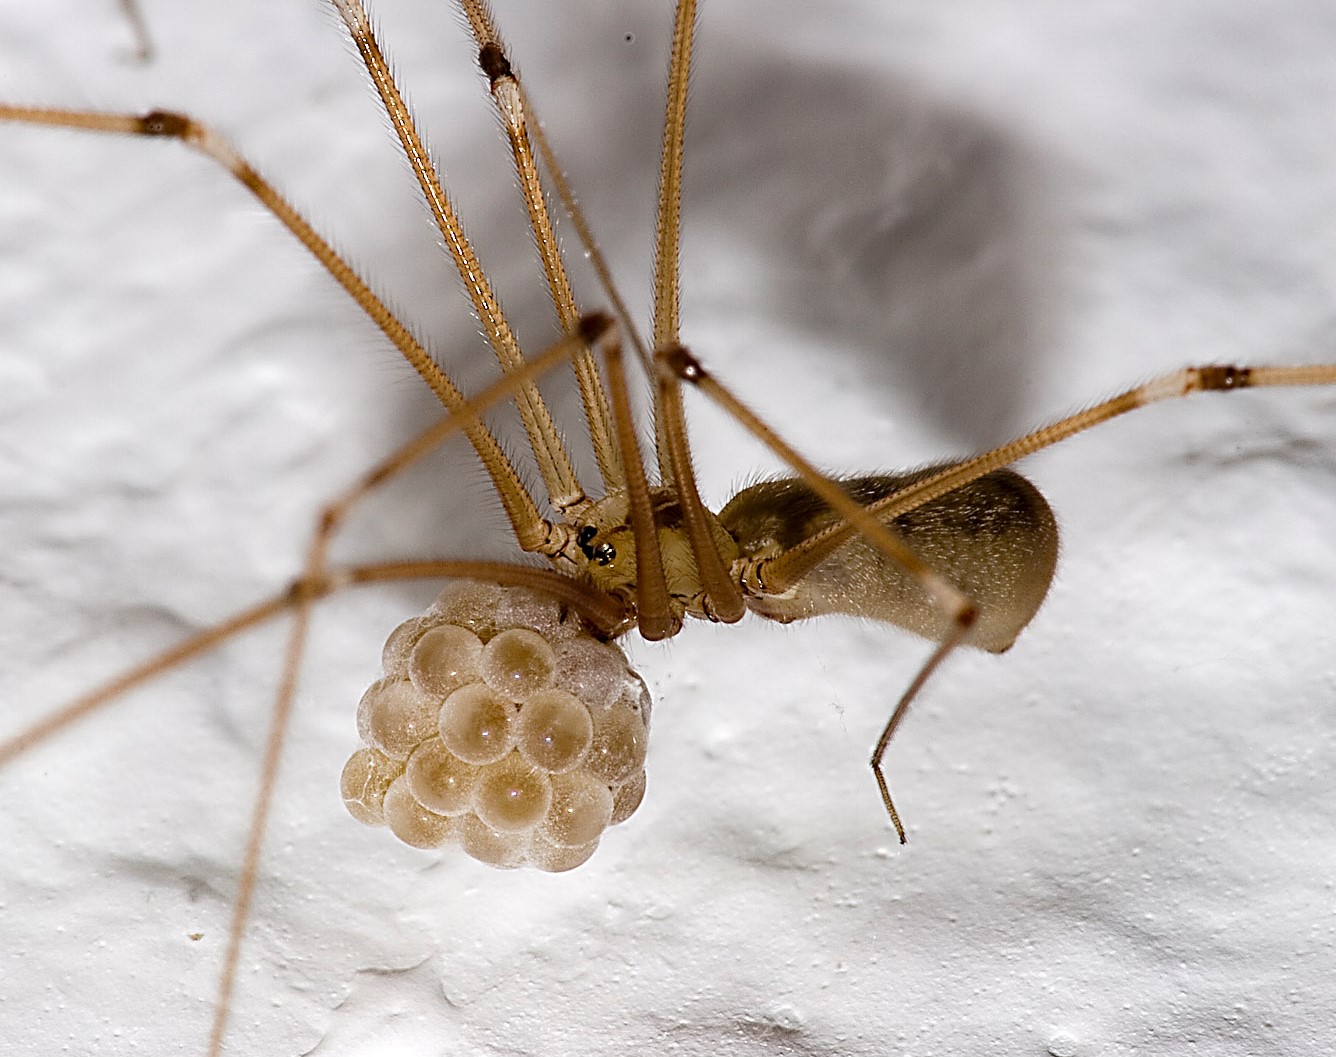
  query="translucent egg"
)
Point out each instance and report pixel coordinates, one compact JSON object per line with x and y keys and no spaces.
{"x":444,"y":659}
{"x":593,"y":671}
{"x":553,"y":730}
{"x":411,"y":822}
{"x":581,"y":810}
{"x":501,"y":724}
{"x":470,"y":605}
{"x":522,"y":608}
{"x":511,"y":796}
{"x":394,"y":655}
{"x":474,"y":723}
{"x":365,"y":777}
{"x":394,"y":717}
{"x":627,"y":798}
{"x":517,"y":663}
{"x":502,"y":850}
{"x":439,"y":780}
{"x":634,"y":695}
{"x":618,"y":750}
{"x":556,"y":859}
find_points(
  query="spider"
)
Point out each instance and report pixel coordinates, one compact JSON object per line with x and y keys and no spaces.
{"x":707,"y":361}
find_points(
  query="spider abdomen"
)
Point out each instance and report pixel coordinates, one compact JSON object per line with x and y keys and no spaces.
{"x":994,"y":538}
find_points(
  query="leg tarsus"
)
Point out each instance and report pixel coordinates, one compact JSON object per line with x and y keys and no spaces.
{"x":963,"y":621}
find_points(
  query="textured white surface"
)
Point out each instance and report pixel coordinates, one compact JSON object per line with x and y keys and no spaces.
{"x":913,"y":229}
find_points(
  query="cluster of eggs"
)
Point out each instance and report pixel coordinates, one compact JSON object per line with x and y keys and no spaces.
{"x":501,"y":725}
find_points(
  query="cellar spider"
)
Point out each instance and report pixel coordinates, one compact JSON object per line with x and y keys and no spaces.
{"x":1015,"y":929}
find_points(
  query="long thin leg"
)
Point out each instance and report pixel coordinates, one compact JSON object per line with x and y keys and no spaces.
{"x":585,"y":233}
{"x":954,"y":603}
{"x":795,"y":563}
{"x":722,"y":592}
{"x":554,"y":462}
{"x":511,"y":105}
{"x":596,"y":609}
{"x":528,"y":524}
{"x":665,"y":332}
{"x":669,"y":234}
{"x":722,"y":589}
{"x":301,"y":601}
{"x":901,"y":709}
{"x":653,"y":613}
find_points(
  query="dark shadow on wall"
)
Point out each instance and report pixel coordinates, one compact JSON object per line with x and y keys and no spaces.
{"x":904,"y":229}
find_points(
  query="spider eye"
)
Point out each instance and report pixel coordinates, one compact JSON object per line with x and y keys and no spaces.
{"x":603,"y":554}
